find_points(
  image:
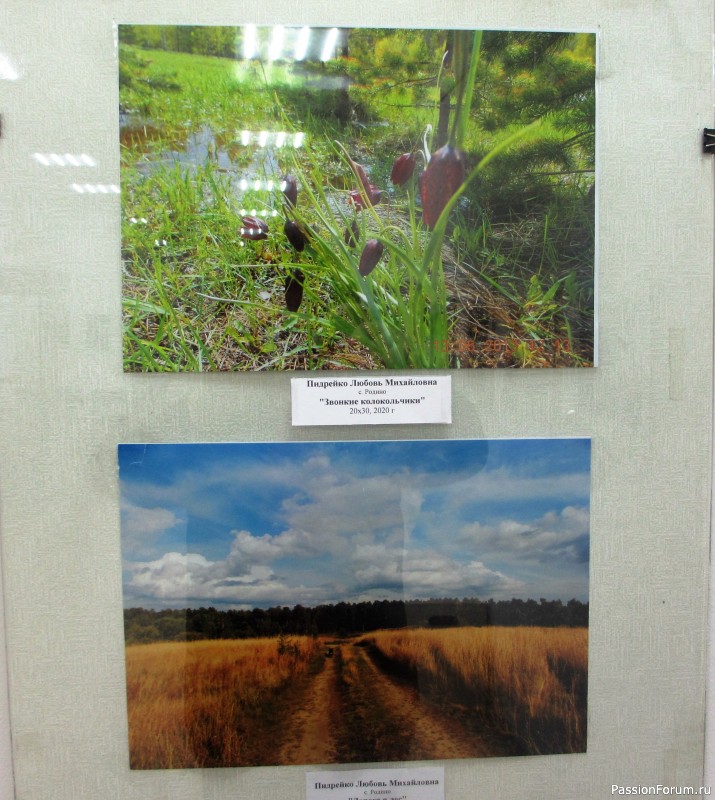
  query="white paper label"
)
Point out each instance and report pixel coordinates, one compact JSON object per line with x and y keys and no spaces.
{"x":372,"y":401}
{"x":420,"y":783}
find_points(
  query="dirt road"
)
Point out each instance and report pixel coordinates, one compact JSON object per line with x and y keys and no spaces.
{"x":312,"y":726}
{"x":352,"y":711}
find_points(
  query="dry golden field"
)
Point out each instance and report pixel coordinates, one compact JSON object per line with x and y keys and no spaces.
{"x":391,"y":695}
{"x":523,"y":682}
{"x":197,"y":704}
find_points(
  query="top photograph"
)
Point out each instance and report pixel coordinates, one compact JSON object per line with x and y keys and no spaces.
{"x":315,"y":198}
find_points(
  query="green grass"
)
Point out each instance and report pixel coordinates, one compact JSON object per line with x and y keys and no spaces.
{"x":198,"y":297}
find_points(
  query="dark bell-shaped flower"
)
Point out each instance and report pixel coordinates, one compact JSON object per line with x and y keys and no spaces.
{"x":362,"y":175}
{"x":290,"y":190}
{"x":371,"y":254}
{"x":443,"y":176}
{"x":402,"y":168}
{"x":295,"y":234}
{"x":352,"y":234}
{"x":294,"y":290}
{"x":253,"y":228}
{"x":374,"y":196}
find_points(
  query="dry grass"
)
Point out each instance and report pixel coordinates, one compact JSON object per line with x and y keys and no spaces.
{"x":209,"y":703}
{"x":527,"y":683}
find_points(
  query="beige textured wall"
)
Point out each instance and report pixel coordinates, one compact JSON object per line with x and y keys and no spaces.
{"x":66,"y":403}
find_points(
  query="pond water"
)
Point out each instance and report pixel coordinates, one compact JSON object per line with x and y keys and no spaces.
{"x":248,"y":165}
{"x":248,"y":159}
{"x":244,"y":159}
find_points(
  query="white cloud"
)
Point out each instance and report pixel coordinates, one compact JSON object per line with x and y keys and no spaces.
{"x":553,"y":535}
{"x":368,"y":554}
{"x":173,"y":575}
{"x":430,"y":574}
{"x":247,"y":549}
{"x":179,"y":576}
{"x":147,"y":521}
{"x":141,"y":527}
{"x":503,"y":486}
{"x":348,"y":507}
{"x":254,"y":548}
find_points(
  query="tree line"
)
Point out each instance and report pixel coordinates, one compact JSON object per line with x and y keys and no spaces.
{"x":208,"y":40}
{"x":143,"y":625}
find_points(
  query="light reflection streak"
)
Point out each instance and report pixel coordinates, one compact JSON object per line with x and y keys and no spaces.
{"x":97,"y":188}
{"x":253,"y":212}
{"x":257,"y":185}
{"x":7,"y":69}
{"x":276,"y":47}
{"x":281,"y":42}
{"x":301,"y":45}
{"x":329,"y":45}
{"x":66,"y":160}
{"x":277,"y":138}
{"x":250,"y":42}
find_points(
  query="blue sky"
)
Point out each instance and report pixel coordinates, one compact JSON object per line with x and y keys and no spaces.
{"x":259,"y":525}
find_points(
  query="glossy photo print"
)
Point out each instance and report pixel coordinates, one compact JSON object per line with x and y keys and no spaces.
{"x":302,"y":198}
{"x":352,"y":602}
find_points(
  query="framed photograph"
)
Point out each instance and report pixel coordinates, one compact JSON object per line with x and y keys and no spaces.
{"x":342,"y":602}
{"x":299,"y":197}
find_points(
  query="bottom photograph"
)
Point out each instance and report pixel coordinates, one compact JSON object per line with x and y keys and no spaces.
{"x":344,"y":602}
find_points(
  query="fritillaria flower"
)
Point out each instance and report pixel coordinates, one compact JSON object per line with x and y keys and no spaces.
{"x":294,"y":290}
{"x":290,"y":190}
{"x":443,"y":176}
{"x":352,"y":234}
{"x":253,"y":228}
{"x":402,"y":168}
{"x":371,"y":254}
{"x":295,"y":234}
{"x":362,"y":176}
{"x":355,"y":198}
{"x":374,"y":196}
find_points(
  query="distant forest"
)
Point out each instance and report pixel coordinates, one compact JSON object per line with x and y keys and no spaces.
{"x":341,"y":619}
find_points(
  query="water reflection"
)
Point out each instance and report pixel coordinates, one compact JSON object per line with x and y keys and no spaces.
{"x":193,"y":148}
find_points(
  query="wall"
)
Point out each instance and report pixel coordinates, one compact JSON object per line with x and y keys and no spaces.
{"x":65,"y":402}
